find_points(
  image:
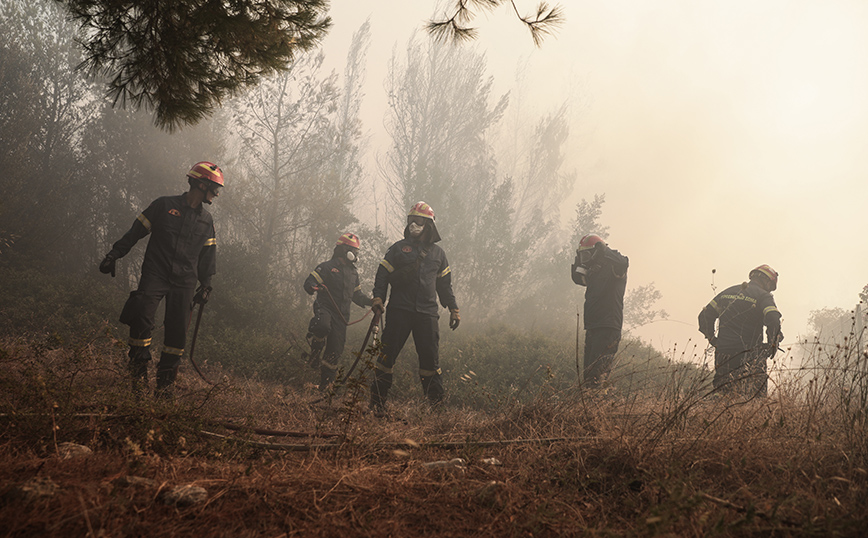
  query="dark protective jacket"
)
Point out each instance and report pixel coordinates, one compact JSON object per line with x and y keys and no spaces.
{"x":342,"y":281}
{"x":604,"y":296}
{"x":743,"y":310}
{"x":182,"y":247}
{"x":416,"y":281}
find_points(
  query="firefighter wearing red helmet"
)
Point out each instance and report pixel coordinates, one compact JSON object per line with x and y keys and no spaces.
{"x":604,"y":272}
{"x":418,"y":273}
{"x":336,"y":285}
{"x":741,"y":312}
{"x":180,"y":252}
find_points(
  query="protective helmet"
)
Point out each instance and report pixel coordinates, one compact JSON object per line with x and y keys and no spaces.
{"x":766,"y":270}
{"x":586,"y":249}
{"x":589,"y":241}
{"x":206,"y":171}
{"x":421,"y":209}
{"x":350,"y":239}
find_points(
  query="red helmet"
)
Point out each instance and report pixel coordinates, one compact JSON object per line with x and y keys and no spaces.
{"x":589,"y":241}
{"x":349,"y":239}
{"x":206,"y":171}
{"x":421,"y":209}
{"x":766,"y":270}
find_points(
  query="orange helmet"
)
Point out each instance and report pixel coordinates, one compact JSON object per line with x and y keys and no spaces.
{"x":766,"y":270}
{"x":206,"y":171}
{"x":350,"y":239}
{"x":421,"y":209}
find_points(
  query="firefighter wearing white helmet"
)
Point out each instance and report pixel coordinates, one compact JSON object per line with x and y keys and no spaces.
{"x":741,"y":312}
{"x":180,"y":252}
{"x":418,"y":274}
{"x":604,"y":272}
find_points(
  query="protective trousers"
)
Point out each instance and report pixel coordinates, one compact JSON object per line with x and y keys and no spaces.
{"x":328,"y":325}
{"x":140,"y":313}
{"x":600,"y":347}
{"x":426,"y":335}
{"x":740,"y":372}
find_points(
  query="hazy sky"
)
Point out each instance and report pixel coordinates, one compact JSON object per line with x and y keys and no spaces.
{"x":723,"y":134}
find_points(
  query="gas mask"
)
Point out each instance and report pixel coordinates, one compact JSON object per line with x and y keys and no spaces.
{"x":415,"y":230}
{"x":580,"y":275}
{"x":352,"y":257}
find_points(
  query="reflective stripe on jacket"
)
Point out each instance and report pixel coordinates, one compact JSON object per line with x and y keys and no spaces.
{"x":342,"y":281}
{"x":415,"y":288}
{"x":743,"y":310}
{"x":182,"y":248}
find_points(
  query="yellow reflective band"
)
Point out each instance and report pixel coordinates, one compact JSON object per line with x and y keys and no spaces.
{"x":211,"y":242}
{"x":768,"y":309}
{"x":145,"y":222}
{"x":383,"y":369}
{"x":713,"y":304}
{"x":316,"y":276}
{"x":172,"y":350}
{"x":444,"y":272}
{"x":358,"y":288}
{"x":429,"y":373}
{"x":387,"y":265}
{"x":329,"y":365}
{"x":140,"y":343}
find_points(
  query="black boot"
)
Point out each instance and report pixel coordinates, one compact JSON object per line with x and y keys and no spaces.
{"x":139,"y":377}
{"x":432,"y":387}
{"x":138,"y":369}
{"x":327,"y":372}
{"x":167,"y":371}
{"x":316,"y":346}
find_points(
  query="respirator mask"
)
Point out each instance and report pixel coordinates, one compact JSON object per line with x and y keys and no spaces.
{"x":352,"y":256}
{"x":415,"y":230}
{"x":580,"y":268}
{"x":580,"y":275}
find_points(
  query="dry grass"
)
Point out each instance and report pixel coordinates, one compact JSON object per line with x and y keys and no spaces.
{"x":643,"y":463}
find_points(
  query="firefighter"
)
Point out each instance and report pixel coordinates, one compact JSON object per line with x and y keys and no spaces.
{"x":180,"y":252}
{"x":739,"y":353}
{"x":418,"y":273}
{"x":336,"y":284}
{"x":604,"y":272}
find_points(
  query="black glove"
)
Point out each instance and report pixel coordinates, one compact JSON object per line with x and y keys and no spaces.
{"x":202,"y":294}
{"x":109,"y":263}
{"x":599,"y":252}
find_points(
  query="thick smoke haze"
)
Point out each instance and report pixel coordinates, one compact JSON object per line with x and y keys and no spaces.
{"x":724,"y":135}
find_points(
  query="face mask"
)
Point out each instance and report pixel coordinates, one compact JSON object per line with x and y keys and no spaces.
{"x":352,"y":257}
{"x":415,"y":230}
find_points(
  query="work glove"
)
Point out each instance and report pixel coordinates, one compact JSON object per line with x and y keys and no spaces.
{"x":454,"y":318}
{"x":109,"y":263}
{"x":599,"y":252}
{"x":377,"y":306}
{"x":202,"y":295}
